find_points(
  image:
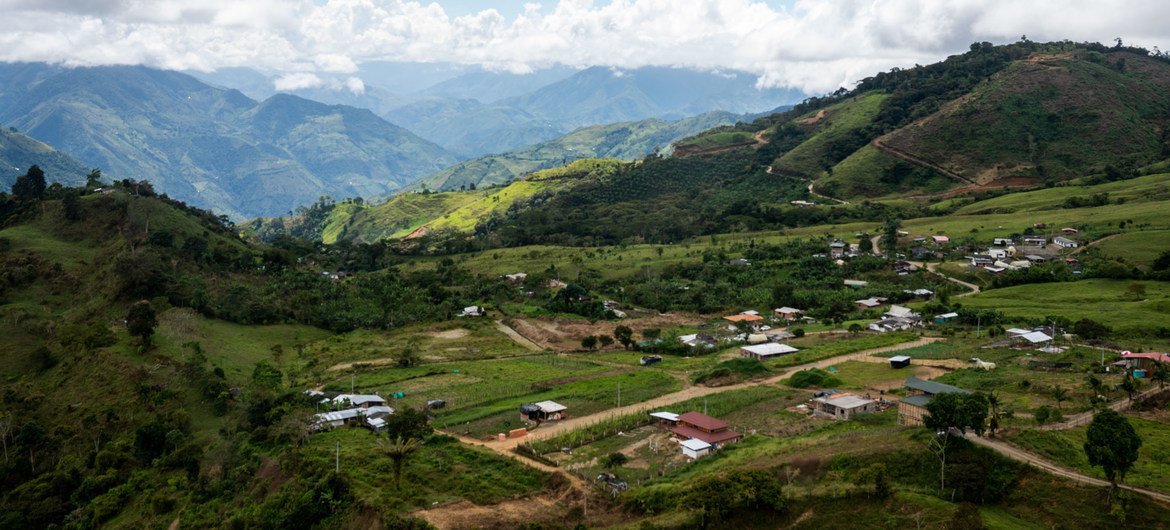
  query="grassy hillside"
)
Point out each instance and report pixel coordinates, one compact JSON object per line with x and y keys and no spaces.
{"x":1052,"y":116}
{"x":829,"y":126}
{"x":18,"y":152}
{"x":627,"y":141}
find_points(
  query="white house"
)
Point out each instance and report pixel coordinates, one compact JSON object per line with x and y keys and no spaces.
{"x":764,"y":351}
{"x":359,"y":400}
{"x":997,"y":253}
{"x":843,"y":406}
{"x":473,"y":311}
{"x":1064,"y":242}
{"x":695,"y":448}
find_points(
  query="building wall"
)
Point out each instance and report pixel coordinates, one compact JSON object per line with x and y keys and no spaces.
{"x":910,"y":415}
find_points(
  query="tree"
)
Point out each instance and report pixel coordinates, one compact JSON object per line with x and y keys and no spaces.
{"x":614,"y":459}
{"x":589,"y":342}
{"x":854,"y":328}
{"x":624,"y":335}
{"x":1060,"y":395}
{"x":141,"y":321}
{"x":266,"y":375}
{"x":94,"y":178}
{"x":1162,"y":262}
{"x":1161,"y":374}
{"x":605,"y":341}
{"x":1112,"y":443}
{"x":408,"y":423}
{"x":1136,"y":291}
{"x":1090,"y":329}
{"x":957,"y":411}
{"x":865,"y":245}
{"x":1128,"y":385}
{"x":399,"y":450}
{"x":994,"y":405}
{"x":71,"y":206}
{"x":31,"y":185}
{"x":890,"y":237}
{"x":652,"y":333}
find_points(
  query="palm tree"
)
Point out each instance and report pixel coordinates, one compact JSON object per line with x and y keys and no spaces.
{"x":993,"y":403}
{"x":1161,"y":374}
{"x":1060,"y":395}
{"x":399,"y":449}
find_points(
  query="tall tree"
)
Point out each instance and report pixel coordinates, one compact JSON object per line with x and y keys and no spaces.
{"x":624,"y":335}
{"x":94,"y":178}
{"x":399,"y":450}
{"x":1113,"y":444}
{"x":31,"y":185}
{"x":141,"y":321}
{"x":957,"y":411}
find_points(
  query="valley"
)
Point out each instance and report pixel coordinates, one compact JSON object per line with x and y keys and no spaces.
{"x":917,"y":303}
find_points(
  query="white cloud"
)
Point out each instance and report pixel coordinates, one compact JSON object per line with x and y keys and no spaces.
{"x":816,"y":45}
{"x":297,"y":81}
{"x":355,"y":85}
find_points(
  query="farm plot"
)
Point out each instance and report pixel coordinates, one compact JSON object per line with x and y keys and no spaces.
{"x":483,"y":397}
{"x":1106,"y":301}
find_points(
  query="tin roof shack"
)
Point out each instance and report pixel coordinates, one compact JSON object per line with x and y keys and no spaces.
{"x":899,"y":361}
{"x":696,"y":426}
{"x":765,"y":351}
{"x":912,"y":408}
{"x":665,"y":418}
{"x":543,"y":411}
{"x":843,"y":406}
{"x":695,"y":448}
{"x":359,"y":400}
{"x":788,"y":313}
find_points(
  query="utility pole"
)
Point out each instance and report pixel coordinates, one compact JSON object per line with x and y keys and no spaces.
{"x":337,"y":459}
{"x":619,"y":394}
{"x":351,"y":383}
{"x":978,"y":326}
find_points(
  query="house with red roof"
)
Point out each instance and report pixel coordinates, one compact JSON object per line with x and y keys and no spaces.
{"x":697,"y":426}
{"x":1144,"y":361}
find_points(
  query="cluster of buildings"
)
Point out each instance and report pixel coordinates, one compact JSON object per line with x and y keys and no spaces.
{"x":367,"y":410}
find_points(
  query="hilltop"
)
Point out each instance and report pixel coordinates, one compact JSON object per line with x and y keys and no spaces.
{"x":18,"y":152}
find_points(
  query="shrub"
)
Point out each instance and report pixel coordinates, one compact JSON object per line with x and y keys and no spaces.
{"x":813,"y":377}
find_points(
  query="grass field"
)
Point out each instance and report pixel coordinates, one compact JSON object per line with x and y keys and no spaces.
{"x":442,"y":471}
{"x":1139,"y":248}
{"x":1102,"y":300}
{"x":840,"y":347}
{"x":1141,"y":189}
{"x":718,"y":140}
{"x":839,"y":120}
{"x":1152,"y":469}
{"x":483,"y":397}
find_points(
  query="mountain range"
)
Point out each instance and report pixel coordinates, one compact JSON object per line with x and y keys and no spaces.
{"x":212,"y":147}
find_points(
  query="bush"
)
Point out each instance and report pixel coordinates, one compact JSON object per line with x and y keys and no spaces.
{"x":813,"y":377}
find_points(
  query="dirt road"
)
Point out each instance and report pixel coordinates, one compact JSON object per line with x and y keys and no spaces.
{"x":518,"y":338}
{"x":1020,"y":455}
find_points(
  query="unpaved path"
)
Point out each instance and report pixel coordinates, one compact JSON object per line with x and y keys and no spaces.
{"x":550,"y":430}
{"x":518,"y":338}
{"x":1020,"y":455}
{"x":1092,"y":243}
{"x":932,"y":267}
{"x":898,"y":153}
{"x":811,"y":182}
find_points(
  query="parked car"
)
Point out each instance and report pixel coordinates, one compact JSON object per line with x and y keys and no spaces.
{"x":648,"y":360}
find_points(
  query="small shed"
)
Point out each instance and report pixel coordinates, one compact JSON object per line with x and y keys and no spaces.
{"x":543,"y":411}
{"x":695,"y":448}
{"x":899,"y":361}
{"x":665,"y":418}
{"x":843,"y":406}
{"x":945,"y":317}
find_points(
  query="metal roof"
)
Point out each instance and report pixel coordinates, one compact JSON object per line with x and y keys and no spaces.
{"x":703,"y":421}
{"x":668,"y":416}
{"x":695,"y":444}
{"x":899,"y":358}
{"x":550,"y":406}
{"x":1036,"y":337}
{"x":771,"y":348}
{"x":845,"y":401}
{"x":919,"y":400}
{"x":931,"y":387}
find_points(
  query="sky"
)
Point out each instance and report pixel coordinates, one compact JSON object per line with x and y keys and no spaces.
{"x":813,"y":45}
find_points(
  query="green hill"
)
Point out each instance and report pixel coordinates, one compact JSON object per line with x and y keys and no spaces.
{"x":626,"y":141}
{"x":18,"y":152}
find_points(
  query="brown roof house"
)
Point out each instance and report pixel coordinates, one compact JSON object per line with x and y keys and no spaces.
{"x":696,"y":426}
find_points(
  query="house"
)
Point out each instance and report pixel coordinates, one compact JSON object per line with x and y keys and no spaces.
{"x":554,"y":283}
{"x":921,"y":293}
{"x":695,"y":448}
{"x":1064,"y":242}
{"x":1146,"y":362}
{"x":897,"y":311}
{"x":788,"y":313}
{"x":757,"y":338}
{"x":696,"y":426}
{"x":904,"y":267}
{"x":856,"y":284}
{"x":764,"y":351}
{"x":1069,"y":230}
{"x":892,"y":324}
{"x":837,"y":248}
{"x":981,"y":261}
{"x":945,"y":317}
{"x":739,"y":262}
{"x":361,"y":401}
{"x":921,"y":252}
{"x":802,"y":203}
{"x":997,"y":253}
{"x":1035,"y":260}
{"x":899,"y":361}
{"x":941,"y":240}
{"x":1002,"y":242}
{"x":912,"y":408}
{"x":1015,"y":332}
{"x":543,"y":411}
{"x":744,"y":317}
{"x":1035,"y":241}
{"x":473,"y":311}
{"x":869,"y":303}
{"x":518,"y":277}
{"x":843,"y":406}
{"x":337,"y":418}
{"x":697,"y":340}
{"x":780,"y":335}
{"x":1033,"y":337}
